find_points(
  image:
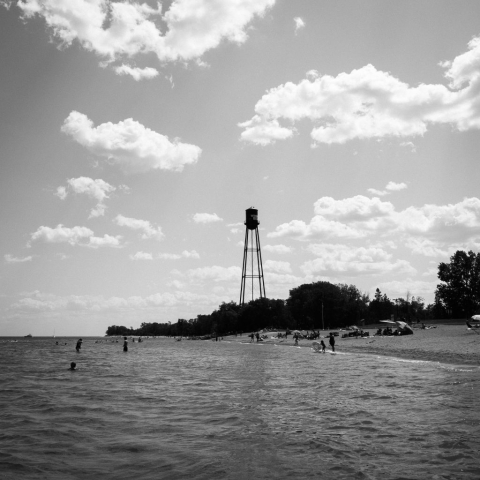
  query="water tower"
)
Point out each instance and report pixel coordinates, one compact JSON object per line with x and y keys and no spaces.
{"x":252,"y":256}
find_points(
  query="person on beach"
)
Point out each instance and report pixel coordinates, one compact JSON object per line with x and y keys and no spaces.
{"x":257,"y":335}
{"x":79,"y":345}
{"x":125,"y":344}
{"x":332,"y":342}
{"x":295,"y":337}
{"x":252,"y":336}
{"x":73,"y":366}
{"x":323,"y":346}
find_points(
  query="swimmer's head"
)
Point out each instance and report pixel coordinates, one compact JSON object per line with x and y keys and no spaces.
{"x":73,"y":365}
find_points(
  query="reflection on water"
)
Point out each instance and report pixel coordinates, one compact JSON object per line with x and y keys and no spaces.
{"x":208,"y":410}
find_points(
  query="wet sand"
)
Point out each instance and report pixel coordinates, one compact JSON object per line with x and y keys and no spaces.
{"x":452,"y":344}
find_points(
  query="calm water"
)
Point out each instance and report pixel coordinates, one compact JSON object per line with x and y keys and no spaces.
{"x":208,"y":410}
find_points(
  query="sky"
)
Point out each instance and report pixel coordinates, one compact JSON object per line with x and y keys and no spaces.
{"x":133,"y":137}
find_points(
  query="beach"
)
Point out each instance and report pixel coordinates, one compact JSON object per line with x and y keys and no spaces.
{"x":452,"y":344}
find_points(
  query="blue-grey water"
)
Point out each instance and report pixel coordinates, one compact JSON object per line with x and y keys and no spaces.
{"x":217,"y":410}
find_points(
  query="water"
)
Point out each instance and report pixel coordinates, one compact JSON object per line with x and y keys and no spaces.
{"x":218,"y":410}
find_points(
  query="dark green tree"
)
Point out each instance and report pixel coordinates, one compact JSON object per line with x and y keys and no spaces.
{"x":459,"y":292}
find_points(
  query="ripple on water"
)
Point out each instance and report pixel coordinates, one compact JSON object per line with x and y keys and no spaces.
{"x":206,"y":410}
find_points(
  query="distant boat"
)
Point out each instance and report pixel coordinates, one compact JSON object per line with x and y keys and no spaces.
{"x":28,"y":336}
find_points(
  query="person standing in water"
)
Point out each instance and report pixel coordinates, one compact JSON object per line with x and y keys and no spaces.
{"x":332,"y":342}
{"x":73,"y":366}
{"x":79,"y":345}
{"x":125,"y":344}
{"x":323,"y":346}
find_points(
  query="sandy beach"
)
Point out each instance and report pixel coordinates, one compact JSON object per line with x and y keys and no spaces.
{"x":452,"y":344}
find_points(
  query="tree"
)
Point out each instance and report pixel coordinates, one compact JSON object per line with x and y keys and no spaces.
{"x":381,"y":308}
{"x":459,"y":293}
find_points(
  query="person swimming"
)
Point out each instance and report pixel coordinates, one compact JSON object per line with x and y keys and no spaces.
{"x":73,"y":366}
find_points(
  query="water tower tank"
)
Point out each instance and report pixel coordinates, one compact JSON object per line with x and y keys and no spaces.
{"x":251,"y":219}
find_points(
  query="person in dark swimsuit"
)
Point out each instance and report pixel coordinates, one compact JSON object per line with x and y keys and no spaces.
{"x":332,"y":342}
{"x":125,"y":344}
{"x":79,"y":345}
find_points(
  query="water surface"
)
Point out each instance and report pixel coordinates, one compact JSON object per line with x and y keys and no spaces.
{"x":220,"y":410}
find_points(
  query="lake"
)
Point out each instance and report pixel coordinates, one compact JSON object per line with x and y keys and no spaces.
{"x":171,"y":409}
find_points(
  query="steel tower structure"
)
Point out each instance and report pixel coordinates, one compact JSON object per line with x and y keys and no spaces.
{"x":252,"y":247}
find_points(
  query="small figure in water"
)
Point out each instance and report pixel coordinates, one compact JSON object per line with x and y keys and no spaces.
{"x":332,"y":342}
{"x":73,"y":366}
{"x":323,"y":346}
{"x":125,"y":344}
{"x":79,"y":345}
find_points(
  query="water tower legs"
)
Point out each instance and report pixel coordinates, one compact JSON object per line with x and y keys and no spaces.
{"x":255,"y":260}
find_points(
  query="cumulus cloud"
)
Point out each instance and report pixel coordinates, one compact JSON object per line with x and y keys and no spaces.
{"x":81,"y":236}
{"x":390,"y":187}
{"x":351,"y":261}
{"x":125,"y":29}
{"x":280,"y":249}
{"x":148,"y":231}
{"x":11,"y":259}
{"x":430,"y":230}
{"x":97,"y":189}
{"x":141,"y":256}
{"x":130,"y":145}
{"x":136,"y":73}
{"x":299,"y":24}
{"x":368,"y":103}
{"x":206,"y":218}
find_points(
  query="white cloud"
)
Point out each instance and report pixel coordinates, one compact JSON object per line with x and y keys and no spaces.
{"x":390,"y":187}
{"x":351,"y":261}
{"x":125,"y":29}
{"x":280,"y":249}
{"x":431,"y":230}
{"x":11,"y":259}
{"x":368,"y":103}
{"x":130,"y":145}
{"x":319,"y":227}
{"x":263,"y":131}
{"x":299,"y":24}
{"x":61,"y":193}
{"x":97,"y":189}
{"x":141,"y":256}
{"x":81,"y":236}
{"x":190,"y":254}
{"x":147,"y":229}
{"x":136,"y":73}
{"x":206,"y":218}
{"x":277,"y":266}
{"x":353,"y":208}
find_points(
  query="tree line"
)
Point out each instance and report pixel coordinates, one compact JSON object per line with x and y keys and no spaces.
{"x":323,"y":305}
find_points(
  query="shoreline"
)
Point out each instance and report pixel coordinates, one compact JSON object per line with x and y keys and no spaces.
{"x":450,"y":344}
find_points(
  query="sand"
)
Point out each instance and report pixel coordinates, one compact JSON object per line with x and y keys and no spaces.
{"x":452,"y":344}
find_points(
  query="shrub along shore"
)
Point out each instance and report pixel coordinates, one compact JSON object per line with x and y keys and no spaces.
{"x":452,"y":344}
